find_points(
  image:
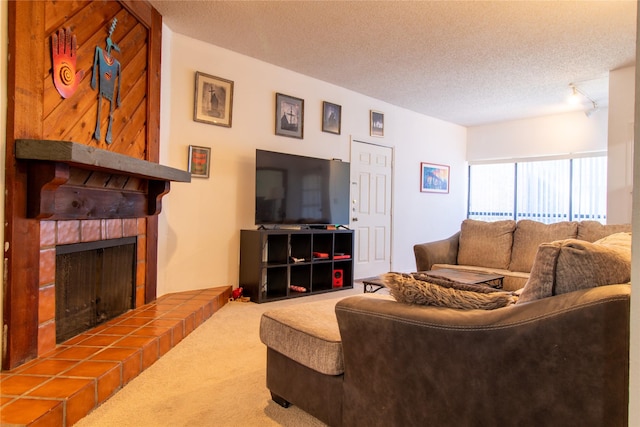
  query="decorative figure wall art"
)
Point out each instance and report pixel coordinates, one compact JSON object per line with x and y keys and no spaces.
{"x":289,"y":116}
{"x":213,"y":100}
{"x":434,"y":178}
{"x":108,"y":68}
{"x":63,"y":55}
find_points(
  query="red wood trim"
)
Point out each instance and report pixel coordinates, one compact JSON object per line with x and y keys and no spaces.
{"x":153,"y":88}
{"x":22,"y":236}
{"x":153,"y":20}
{"x":45,"y":179}
{"x":151,"y":285}
{"x":157,"y":190}
{"x":153,"y":144}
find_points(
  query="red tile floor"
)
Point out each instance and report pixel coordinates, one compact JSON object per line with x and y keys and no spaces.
{"x":63,"y":386}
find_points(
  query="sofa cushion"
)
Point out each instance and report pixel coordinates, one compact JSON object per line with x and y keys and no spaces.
{"x":420,"y":289}
{"x":568,"y":265}
{"x":593,"y":230}
{"x":530,"y":234}
{"x":307,"y":333}
{"x":486,"y":244}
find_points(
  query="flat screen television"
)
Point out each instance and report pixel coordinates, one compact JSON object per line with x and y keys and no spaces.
{"x":292,"y":189}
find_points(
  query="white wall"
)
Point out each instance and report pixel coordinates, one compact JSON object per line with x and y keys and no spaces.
{"x":620,"y":163}
{"x":558,"y":134}
{"x":200,"y":224}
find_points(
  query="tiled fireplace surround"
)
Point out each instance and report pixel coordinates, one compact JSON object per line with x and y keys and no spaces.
{"x":54,"y":233}
{"x":69,"y":380}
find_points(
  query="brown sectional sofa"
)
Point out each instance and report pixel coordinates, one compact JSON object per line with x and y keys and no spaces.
{"x":505,"y":247}
{"x":559,"y":356}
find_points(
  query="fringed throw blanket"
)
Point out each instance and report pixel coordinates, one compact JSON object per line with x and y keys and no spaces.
{"x":421,"y":289}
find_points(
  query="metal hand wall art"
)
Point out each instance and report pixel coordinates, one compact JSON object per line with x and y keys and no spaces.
{"x":64,"y":55}
{"x":108,"y":68}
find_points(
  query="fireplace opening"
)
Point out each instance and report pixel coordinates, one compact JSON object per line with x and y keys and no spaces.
{"x":95,"y":282}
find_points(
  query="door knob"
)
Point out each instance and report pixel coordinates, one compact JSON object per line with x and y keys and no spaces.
{"x":354,"y":219}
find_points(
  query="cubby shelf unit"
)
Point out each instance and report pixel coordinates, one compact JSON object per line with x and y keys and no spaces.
{"x":280,"y":263}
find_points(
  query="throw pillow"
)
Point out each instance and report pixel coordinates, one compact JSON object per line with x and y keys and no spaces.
{"x":423,"y":290}
{"x":569,"y":265}
{"x":486,"y":244}
{"x":593,"y":230}
{"x":620,"y":241}
{"x":530,"y":234}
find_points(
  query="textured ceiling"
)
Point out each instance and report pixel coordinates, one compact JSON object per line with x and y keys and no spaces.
{"x":467,"y":62}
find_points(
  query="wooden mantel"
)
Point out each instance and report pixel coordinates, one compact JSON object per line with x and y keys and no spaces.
{"x":88,"y":157}
{"x":67,"y":180}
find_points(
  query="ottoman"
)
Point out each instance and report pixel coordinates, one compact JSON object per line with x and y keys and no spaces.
{"x":304,"y":358}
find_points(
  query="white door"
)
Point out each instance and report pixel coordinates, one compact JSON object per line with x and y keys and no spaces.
{"x":371,"y":208}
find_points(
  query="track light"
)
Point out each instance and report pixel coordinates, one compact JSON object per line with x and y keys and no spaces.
{"x":575,"y":98}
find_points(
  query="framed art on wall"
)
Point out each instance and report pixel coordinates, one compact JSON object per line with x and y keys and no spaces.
{"x":377,"y":123}
{"x":331,"y":117}
{"x":199,"y":161}
{"x":434,"y":178}
{"x":213,"y":101}
{"x":289,"y":116}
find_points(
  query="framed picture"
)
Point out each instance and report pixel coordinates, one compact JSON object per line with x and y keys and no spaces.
{"x":289,"y":116}
{"x":377,"y":123}
{"x":434,"y":178}
{"x":199,"y":161}
{"x":213,"y":100}
{"x":331,"y":117}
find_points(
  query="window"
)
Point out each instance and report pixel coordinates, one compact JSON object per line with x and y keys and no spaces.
{"x":541,"y":190}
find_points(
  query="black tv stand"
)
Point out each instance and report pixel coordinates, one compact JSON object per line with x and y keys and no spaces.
{"x":279,"y":264}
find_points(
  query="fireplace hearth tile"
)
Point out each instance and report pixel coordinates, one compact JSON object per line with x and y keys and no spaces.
{"x":49,"y":367}
{"x":129,"y":358}
{"x":16,"y":385}
{"x":133,"y":321}
{"x":63,"y":385}
{"x":118,"y":330}
{"x":32,"y":412}
{"x":106,"y":373}
{"x":164,"y":343}
{"x":76,"y":353}
{"x":100,"y":340}
{"x":78,"y":395}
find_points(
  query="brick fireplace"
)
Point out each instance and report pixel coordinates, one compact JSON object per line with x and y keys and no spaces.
{"x":53,"y":233}
{"x":65,"y":184}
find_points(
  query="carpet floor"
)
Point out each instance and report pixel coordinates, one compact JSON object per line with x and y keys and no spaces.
{"x":215,"y":377}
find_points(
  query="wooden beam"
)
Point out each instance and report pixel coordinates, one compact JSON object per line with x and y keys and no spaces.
{"x":22,"y":235}
{"x":87,"y":157}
